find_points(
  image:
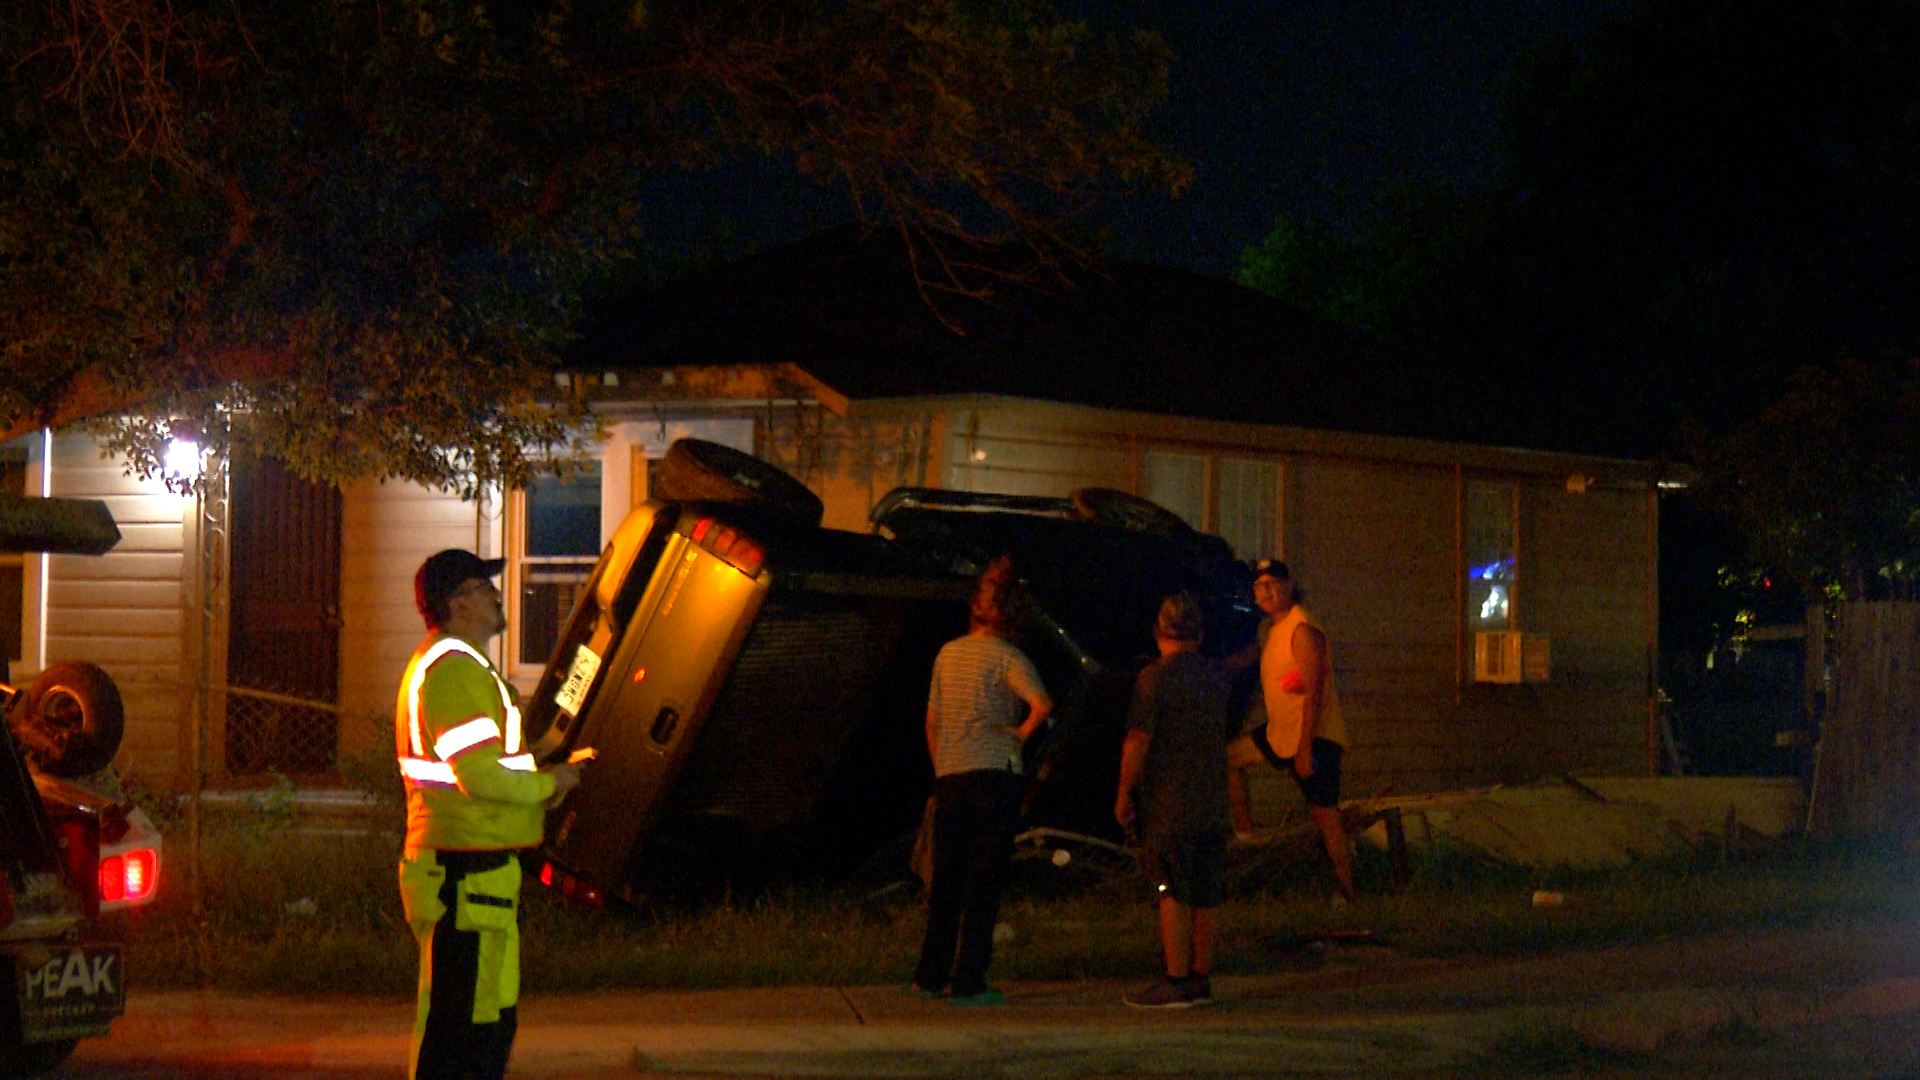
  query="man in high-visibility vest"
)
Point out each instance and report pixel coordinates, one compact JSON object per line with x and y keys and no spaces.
{"x":474,"y":801}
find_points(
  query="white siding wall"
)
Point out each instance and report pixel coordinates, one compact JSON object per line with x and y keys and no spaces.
{"x":988,"y":454}
{"x":128,"y":610}
{"x":387,"y":530}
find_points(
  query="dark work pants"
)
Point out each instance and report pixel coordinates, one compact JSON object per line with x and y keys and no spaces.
{"x":453,"y":1047}
{"x":975,"y":815}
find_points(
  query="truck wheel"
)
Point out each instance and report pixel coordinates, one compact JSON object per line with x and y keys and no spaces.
{"x":71,"y":720}
{"x":696,"y":470}
{"x":1128,"y":511}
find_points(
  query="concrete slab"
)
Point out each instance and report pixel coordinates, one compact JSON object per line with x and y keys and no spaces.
{"x":1597,"y":822}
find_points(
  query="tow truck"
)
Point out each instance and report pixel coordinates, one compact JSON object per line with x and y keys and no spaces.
{"x":74,"y":848}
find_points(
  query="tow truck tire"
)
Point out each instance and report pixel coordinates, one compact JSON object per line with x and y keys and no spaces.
{"x":71,"y":721}
{"x":35,"y":1059}
{"x":696,"y":470}
{"x":1128,"y":511}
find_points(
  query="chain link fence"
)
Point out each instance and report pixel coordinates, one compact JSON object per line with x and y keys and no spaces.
{"x":269,"y":732}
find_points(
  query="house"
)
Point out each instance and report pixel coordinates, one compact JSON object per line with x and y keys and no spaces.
{"x":1492,"y":611}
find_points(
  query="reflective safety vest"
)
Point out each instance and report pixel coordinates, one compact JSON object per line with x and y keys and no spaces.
{"x":428,"y":766}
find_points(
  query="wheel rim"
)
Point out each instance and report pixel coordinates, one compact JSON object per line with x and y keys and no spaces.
{"x":62,"y":711}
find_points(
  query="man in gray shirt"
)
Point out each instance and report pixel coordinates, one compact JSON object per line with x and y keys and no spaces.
{"x":1173,"y":792}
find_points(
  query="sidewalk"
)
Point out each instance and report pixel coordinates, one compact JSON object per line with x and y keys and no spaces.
{"x":1364,"y":1012}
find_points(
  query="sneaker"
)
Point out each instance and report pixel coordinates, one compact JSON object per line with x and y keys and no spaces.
{"x":1198,"y":988}
{"x":986,"y":996}
{"x":1161,"y":993}
{"x":915,"y":990}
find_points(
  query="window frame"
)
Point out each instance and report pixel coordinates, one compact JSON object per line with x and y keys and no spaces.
{"x":516,"y":573}
{"x":35,"y":566}
{"x":1516,"y":582}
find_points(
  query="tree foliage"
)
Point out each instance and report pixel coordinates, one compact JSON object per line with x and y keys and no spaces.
{"x":361,"y":229}
{"x":1825,"y":482}
{"x":1698,"y":198}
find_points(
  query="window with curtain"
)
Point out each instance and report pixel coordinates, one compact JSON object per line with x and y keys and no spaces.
{"x":1250,"y":506}
{"x":1179,"y":483}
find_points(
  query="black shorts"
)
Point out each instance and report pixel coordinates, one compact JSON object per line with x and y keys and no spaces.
{"x":1323,"y":787}
{"x":1190,"y":868}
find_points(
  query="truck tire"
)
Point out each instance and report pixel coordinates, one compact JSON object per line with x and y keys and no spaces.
{"x":696,"y":470}
{"x":71,"y":720}
{"x":1128,"y":511}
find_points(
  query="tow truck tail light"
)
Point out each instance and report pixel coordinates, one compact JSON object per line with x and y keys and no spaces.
{"x":129,"y":876}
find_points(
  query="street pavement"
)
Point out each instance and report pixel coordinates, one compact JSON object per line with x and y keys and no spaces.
{"x":1834,"y":1000}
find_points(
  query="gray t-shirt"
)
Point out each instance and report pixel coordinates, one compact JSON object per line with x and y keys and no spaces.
{"x":1181,"y":701}
{"x":980,"y":689}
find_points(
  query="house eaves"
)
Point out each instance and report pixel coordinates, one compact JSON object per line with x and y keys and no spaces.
{"x":608,"y":389}
{"x":1121,"y":426}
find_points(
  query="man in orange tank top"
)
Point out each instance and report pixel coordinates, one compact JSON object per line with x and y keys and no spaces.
{"x":1306,"y":732}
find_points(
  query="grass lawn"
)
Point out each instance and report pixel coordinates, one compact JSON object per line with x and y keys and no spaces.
{"x":294,"y":913}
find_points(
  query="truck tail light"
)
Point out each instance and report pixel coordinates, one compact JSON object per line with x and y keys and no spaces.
{"x":569,"y":886}
{"x":129,"y":876}
{"x":735,"y":547}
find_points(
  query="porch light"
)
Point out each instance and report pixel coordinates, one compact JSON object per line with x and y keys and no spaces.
{"x":182,"y":460}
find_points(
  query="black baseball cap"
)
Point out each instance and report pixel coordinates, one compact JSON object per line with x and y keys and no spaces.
{"x":1272,"y":568}
{"x":444,"y":572}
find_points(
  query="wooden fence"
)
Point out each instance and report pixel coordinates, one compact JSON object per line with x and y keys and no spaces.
{"x":1867,"y":776}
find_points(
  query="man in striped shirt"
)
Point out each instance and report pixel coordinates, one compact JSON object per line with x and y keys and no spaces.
{"x":986,"y":700}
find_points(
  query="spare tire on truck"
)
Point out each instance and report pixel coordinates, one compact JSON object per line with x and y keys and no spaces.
{"x":696,"y":470}
{"x":70,"y":721}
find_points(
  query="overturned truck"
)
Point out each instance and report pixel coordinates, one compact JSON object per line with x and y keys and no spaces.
{"x":753,"y":686}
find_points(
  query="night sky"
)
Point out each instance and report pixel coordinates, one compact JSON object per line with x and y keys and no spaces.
{"x":1307,"y":108}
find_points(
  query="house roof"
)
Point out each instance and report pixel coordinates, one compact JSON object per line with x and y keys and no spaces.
{"x":843,"y":306}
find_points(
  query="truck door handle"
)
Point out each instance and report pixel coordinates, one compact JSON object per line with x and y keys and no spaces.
{"x":665,"y":724}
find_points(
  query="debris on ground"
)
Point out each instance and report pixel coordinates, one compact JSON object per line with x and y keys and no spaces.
{"x":1599,"y":822}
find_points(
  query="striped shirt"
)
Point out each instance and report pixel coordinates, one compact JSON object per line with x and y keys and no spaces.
{"x":979,"y":696}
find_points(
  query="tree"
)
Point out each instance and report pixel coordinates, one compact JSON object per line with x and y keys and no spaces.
{"x":1698,"y":198}
{"x":1825,"y":482}
{"x":361,"y":230}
